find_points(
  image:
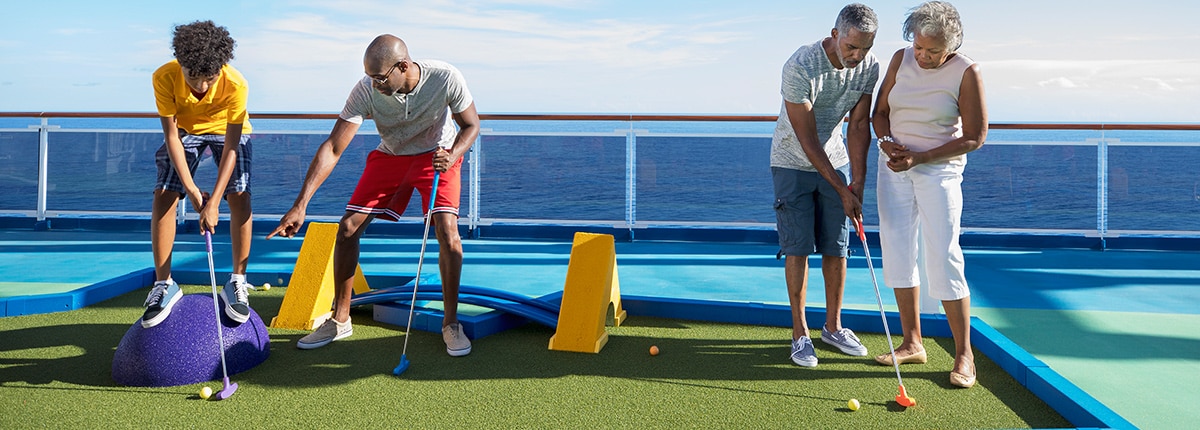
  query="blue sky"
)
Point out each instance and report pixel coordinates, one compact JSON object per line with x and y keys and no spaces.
{"x":1043,"y":61}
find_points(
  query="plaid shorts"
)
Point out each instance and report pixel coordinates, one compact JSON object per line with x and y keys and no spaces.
{"x":193,"y":148}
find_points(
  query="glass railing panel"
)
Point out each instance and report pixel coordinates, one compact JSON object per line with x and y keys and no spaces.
{"x":704,"y":179}
{"x":415,"y":210}
{"x":1154,"y":180}
{"x":693,"y":170}
{"x":552,"y":177}
{"x":111,"y":171}
{"x":18,"y":170}
{"x":1025,"y":184}
{"x":280,"y":162}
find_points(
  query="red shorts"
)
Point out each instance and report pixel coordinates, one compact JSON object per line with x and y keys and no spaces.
{"x":388,"y":181}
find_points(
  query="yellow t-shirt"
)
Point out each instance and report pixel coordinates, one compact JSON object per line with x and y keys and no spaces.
{"x":224,"y":103}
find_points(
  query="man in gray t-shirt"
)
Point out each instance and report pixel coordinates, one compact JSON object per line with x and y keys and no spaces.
{"x":427,"y":122}
{"x":810,"y":165}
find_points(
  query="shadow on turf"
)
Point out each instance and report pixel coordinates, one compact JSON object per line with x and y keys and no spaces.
{"x":695,"y":385}
{"x":114,"y":389}
{"x":41,"y":364}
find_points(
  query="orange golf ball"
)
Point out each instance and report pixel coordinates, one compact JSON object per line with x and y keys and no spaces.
{"x":653,"y":350}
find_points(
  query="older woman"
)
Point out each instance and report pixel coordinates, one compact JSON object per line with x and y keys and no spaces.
{"x":930,"y":113}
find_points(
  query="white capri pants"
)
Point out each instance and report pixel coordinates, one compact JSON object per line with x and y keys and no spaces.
{"x":928,"y":196}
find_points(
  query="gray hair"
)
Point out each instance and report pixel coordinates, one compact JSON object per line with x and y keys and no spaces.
{"x":856,"y":16}
{"x":935,"y":19}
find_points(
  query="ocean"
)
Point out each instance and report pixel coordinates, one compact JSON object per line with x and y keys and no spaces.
{"x":686,"y":172}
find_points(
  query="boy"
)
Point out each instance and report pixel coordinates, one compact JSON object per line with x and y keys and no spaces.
{"x":201,"y":102}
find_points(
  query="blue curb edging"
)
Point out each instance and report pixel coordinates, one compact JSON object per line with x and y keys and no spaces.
{"x":655,"y":231}
{"x":79,"y":298}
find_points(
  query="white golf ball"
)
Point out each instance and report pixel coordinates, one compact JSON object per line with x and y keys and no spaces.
{"x":265,"y":286}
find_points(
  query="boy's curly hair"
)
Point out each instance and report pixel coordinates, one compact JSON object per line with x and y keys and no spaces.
{"x":203,"y":47}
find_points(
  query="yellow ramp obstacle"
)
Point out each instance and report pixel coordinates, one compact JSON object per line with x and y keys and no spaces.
{"x":590,"y":292}
{"x":309,"y":296}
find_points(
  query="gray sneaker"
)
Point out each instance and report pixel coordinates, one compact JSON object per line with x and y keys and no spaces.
{"x":159,"y":302}
{"x":844,"y":340}
{"x":457,"y":344}
{"x":329,"y":331}
{"x":803,"y":353}
{"x":237,"y":300}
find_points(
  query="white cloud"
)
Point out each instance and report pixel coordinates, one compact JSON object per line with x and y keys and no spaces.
{"x":1060,"y":81}
{"x":1160,"y":84}
{"x":1092,"y":90}
{"x":538,"y":59}
{"x":609,"y":56}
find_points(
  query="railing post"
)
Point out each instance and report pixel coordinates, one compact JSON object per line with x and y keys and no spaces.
{"x":474,"y":158}
{"x":1102,"y":188}
{"x":43,"y":172}
{"x":181,"y":212}
{"x":630,"y":180}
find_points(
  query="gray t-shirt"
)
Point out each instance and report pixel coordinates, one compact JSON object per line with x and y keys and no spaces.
{"x":808,"y":76}
{"x":419,"y":121}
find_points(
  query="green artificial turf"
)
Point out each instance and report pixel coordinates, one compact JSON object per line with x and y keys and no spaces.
{"x":55,"y":371}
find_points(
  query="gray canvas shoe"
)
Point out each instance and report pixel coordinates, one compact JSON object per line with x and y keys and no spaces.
{"x":803,"y":353}
{"x":329,"y":331}
{"x":457,"y":344}
{"x":844,"y":340}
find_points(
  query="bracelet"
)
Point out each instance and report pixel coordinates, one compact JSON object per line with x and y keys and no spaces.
{"x":885,"y":138}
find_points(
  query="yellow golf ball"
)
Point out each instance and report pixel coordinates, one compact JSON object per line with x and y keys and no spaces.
{"x":853,"y":404}
{"x":205,"y":393}
{"x":266,"y":286}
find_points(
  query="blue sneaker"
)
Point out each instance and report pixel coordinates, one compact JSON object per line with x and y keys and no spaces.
{"x":803,"y":353}
{"x":158,"y":304}
{"x":844,"y":340}
{"x":236,"y":295}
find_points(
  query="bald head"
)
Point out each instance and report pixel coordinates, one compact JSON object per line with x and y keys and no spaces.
{"x":384,"y":51}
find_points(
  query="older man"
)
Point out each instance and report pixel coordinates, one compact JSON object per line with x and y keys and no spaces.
{"x":810,"y":165}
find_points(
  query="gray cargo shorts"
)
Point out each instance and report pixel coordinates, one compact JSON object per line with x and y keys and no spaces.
{"x":808,"y":213}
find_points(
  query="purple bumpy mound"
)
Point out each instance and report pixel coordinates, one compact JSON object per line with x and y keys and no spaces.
{"x":183,"y":349}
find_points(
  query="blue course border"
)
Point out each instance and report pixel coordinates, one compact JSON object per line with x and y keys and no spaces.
{"x":566,"y":232}
{"x":1074,"y":404}
{"x":78,"y":298}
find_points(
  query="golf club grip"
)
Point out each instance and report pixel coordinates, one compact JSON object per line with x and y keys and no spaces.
{"x":433,"y":193}
{"x":858,"y":225}
{"x":208,"y":240}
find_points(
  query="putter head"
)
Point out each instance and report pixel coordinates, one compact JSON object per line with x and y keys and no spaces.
{"x":228,"y":391}
{"x":904,"y":400}
{"x":400,"y":368}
